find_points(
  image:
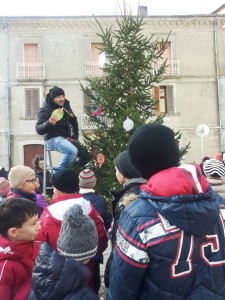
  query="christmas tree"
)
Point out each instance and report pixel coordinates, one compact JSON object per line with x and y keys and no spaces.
{"x":121,"y":100}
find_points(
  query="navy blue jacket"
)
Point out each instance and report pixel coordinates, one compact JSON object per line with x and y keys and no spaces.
{"x":100,"y":205}
{"x":170,"y":248}
{"x":55,"y":277}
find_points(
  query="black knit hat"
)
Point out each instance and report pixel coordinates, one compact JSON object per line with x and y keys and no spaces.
{"x":124,"y":165}
{"x":56,"y":91}
{"x":66,"y":180}
{"x":152,"y":148}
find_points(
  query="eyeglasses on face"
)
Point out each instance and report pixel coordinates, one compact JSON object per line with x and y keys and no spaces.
{"x":34,"y":181}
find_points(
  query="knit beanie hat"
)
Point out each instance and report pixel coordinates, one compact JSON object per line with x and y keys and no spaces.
{"x":87,"y":179}
{"x":78,"y":237}
{"x":66,"y":180}
{"x":18,"y":175}
{"x":214,"y":168}
{"x":56,"y":91}
{"x":152,"y":148}
{"x":4,"y":187}
{"x":124,"y":165}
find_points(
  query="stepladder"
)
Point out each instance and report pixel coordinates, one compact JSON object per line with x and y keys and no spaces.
{"x":48,"y":168}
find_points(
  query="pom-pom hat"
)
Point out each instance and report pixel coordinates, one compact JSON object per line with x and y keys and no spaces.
{"x":87,"y":179}
{"x":18,"y":176}
{"x":78,"y":237}
{"x":153,"y":148}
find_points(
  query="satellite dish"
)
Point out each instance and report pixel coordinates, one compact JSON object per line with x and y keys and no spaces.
{"x":202,"y":130}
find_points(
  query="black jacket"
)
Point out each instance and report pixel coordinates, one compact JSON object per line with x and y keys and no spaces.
{"x":55,"y":277}
{"x":66,"y":127}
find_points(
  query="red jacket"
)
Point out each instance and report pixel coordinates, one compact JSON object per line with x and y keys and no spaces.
{"x":16,"y":263}
{"x":51,"y":219}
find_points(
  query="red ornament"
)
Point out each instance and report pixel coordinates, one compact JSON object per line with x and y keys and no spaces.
{"x":100,"y":159}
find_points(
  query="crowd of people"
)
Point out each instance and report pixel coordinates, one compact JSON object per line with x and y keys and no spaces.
{"x":167,"y":227}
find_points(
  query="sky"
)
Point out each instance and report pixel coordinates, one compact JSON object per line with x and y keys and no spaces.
{"x":105,"y":7}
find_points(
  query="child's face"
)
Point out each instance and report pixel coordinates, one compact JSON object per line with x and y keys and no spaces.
{"x":120,"y":177}
{"x":27,"y":232}
{"x":29,"y":185}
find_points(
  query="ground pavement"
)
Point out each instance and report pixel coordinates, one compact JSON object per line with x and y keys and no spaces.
{"x":102,"y":291}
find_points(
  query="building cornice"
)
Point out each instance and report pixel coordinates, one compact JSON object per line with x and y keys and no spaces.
{"x":86,"y":24}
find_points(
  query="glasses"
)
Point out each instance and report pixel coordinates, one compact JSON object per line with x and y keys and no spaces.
{"x":34,"y":181}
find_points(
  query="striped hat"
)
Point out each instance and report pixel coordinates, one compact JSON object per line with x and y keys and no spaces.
{"x":87,"y":179}
{"x":214,"y":168}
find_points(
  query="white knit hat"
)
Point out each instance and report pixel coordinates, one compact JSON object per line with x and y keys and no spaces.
{"x":18,"y":175}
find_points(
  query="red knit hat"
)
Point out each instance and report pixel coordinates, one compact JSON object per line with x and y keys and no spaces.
{"x":87,"y":179}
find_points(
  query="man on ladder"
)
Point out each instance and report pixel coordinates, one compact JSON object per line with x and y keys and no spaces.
{"x":57,"y":122}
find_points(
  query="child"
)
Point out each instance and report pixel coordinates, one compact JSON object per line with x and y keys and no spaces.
{"x":63,"y":274}
{"x":18,"y":250}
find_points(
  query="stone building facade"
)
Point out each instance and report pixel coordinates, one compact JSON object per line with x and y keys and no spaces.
{"x":39,"y":52}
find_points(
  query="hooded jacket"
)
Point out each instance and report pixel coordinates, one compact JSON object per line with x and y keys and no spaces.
{"x":66,"y":127}
{"x":170,"y":241}
{"x":55,"y":277}
{"x":16,"y":262}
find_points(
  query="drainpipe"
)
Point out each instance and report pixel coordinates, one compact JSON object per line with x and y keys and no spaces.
{"x":8,"y":133}
{"x":217,"y":79}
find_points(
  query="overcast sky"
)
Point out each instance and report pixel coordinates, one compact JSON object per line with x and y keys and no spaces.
{"x":105,"y":7}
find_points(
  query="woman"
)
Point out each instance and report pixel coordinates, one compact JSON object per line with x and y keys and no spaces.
{"x":23,"y":184}
{"x":38,"y":164}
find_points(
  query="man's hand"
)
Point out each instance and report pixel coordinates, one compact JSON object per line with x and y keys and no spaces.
{"x":53,"y":120}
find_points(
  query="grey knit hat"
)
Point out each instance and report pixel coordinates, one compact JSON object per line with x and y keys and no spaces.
{"x":18,"y":176}
{"x":124,"y":165}
{"x":214,"y":168}
{"x":78,"y":238}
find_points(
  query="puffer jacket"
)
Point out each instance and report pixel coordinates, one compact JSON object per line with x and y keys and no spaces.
{"x":17,"y":259}
{"x":66,"y":127}
{"x":55,"y":277}
{"x":170,"y":241}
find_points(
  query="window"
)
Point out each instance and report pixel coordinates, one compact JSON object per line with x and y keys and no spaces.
{"x":164,"y":95}
{"x":95,"y":51}
{"x":32,"y":103}
{"x":167,"y":54}
{"x":30,"y":53}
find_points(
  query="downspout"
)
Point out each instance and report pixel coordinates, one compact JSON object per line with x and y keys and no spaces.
{"x":8,"y":133}
{"x":217,"y":78}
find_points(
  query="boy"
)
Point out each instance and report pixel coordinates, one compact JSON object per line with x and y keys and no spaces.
{"x":62,"y":274}
{"x":170,"y":241}
{"x":18,"y":250}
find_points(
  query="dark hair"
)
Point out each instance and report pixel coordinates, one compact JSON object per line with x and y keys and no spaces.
{"x":15,"y":212}
{"x":35,"y":161}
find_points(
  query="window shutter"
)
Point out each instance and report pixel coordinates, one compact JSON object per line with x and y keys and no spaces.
{"x":170,"y":99}
{"x":157,"y":97}
{"x":32,"y":103}
{"x":36,"y":102}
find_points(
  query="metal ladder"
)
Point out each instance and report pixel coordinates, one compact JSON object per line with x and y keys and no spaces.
{"x":47,"y":167}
